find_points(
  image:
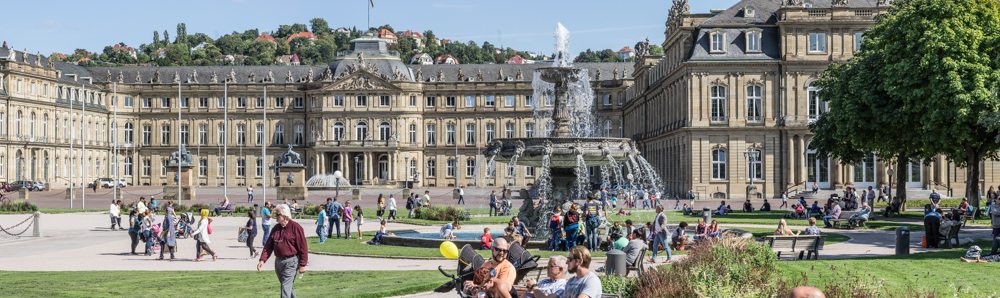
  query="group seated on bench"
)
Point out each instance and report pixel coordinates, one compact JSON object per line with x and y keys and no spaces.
{"x":946,"y":227}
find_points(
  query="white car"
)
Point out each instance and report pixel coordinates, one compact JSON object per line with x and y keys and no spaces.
{"x":109,"y":183}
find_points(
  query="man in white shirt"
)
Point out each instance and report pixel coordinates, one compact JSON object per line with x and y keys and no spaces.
{"x":141,"y":205}
{"x":250,"y":193}
{"x":392,"y":208}
{"x":660,"y":231}
{"x":461,"y":195}
{"x":115,"y":215}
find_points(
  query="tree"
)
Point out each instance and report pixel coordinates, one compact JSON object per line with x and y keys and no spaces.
{"x":181,"y":33}
{"x":319,"y":26}
{"x":953,"y":46}
{"x":166,"y":36}
{"x":655,"y":50}
{"x":156,"y":37}
{"x":386,"y":27}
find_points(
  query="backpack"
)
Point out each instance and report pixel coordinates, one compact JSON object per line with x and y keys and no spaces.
{"x":554,"y":222}
{"x":409,"y":203}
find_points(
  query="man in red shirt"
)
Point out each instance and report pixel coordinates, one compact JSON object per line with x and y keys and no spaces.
{"x":288,"y":244}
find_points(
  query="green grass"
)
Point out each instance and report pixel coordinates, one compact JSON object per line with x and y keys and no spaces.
{"x":214,"y":283}
{"x":920,"y":271}
{"x":356,"y":247}
{"x":772,"y":218}
{"x":54,"y":211}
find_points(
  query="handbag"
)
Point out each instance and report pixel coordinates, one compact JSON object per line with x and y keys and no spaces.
{"x":243,"y":235}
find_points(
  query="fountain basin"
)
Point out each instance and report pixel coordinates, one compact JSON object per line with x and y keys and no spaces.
{"x":562,"y":152}
{"x":559,"y":74}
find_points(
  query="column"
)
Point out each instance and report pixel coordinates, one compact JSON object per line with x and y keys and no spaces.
{"x":790,"y":163}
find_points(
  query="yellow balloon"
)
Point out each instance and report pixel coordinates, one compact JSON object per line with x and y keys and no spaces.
{"x":449,"y":250}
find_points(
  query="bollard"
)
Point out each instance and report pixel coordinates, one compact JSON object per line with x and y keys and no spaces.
{"x":355,"y":194}
{"x":37,"y":232}
{"x":615,"y":263}
{"x":706,"y":214}
{"x":902,"y":241}
{"x":23,"y":194}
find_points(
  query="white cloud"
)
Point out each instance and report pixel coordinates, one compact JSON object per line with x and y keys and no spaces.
{"x":49,"y":24}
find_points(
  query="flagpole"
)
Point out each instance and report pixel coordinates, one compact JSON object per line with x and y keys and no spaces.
{"x":115,"y":145}
{"x":72,"y":139}
{"x":225,"y":143}
{"x":180,"y":153}
{"x":263,"y":152}
{"x":83,"y":146}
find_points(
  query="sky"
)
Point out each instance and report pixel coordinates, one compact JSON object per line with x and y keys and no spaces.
{"x":63,"y":26}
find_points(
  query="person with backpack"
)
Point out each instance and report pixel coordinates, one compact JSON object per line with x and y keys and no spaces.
{"x":333,"y":209}
{"x":591,"y":210}
{"x":571,"y":225}
{"x":409,"y":205}
{"x":555,"y":226}
{"x":493,"y":203}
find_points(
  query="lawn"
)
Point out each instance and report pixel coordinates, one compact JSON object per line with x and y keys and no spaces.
{"x":831,"y":238}
{"x":772,"y":217}
{"x":214,"y":283}
{"x":936,"y":271}
{"x":356,"y":247}
{"x":54,"y":211}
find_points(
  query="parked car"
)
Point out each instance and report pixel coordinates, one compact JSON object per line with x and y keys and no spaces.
{"x":17,"y":185}
{"x":108,"y":183}
{"x":38,"y":185}
{"x":6,"y":186}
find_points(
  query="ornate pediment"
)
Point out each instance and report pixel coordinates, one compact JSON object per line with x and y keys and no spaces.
{"x":361,"y":80}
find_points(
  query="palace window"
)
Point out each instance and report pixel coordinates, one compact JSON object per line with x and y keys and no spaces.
{"x":298,"y":103}
{"x":509,"y":100}
{"x":185,"y":132}
{"x":549,"y":100}
{"x":129,"y":130}
{"x":165,"y":102}
{"x":362,"y":100}
{"x":221,"y":102}
{"x":450,"y":170}
{"x":260,"y":167}
{"x":449,"y":134}
{"x":146,"y":167}
{"x":384,"y":131}
{"x":260,"y":135}
{"x":529,"y":171}
{"x":509,"y":130}
{"x":220,"y":134}
{"x":491,"y":101}
{"x":718,"y":38}
{"x":383,"y":100}
{"x":241,"y":134}
{"x":241,"y":102}
{"x":184,"y":102}
{"x":202,"y":167}
{"x":312,"y":101}
{"x":607,"y":99}
{"x":528,"y":101}
{"x":413,"y":134}
{"x":753,"y":40}
{"x":817,"y":42}
{"x":449,"y":101}
{"x":279,"y":134}
{"x":147,"y":102}
{"x":470,"y":101}
{"x":607,"y":128}
{"x":163,"y":167}
{"x":299,"y":135}
{"x":470,"y":134}
{"x":431,"y":168}
{"x":203,"y":102}
{"x":279,"y":102}
{"x":718,"y":100}
{"x":202,"y":134}
{"x":260,"y":103}
{"x":338,"y":101}
{"x":529,"y":130}
{"x":129,"y":102}
{"x":362,"y":131}
{"x":858,"y":38}
{"x":491,"y":132}
{"x":431,"y":135}
{"x":220,"y":168}
{"x":431,"y":101}
{"x":754,"y":101}
{"x":338,"y":131}
{"x":470,"y":168}
{"x":413,"y":101}
{"x":718,"y":164}
{"x":817,"y":106}
{"x":165,"y":135}
{"x":241,"y":167}
{"x":147,"y":133}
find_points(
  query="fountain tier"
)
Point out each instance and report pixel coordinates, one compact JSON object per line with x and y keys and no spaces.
{"x":562,"y":152}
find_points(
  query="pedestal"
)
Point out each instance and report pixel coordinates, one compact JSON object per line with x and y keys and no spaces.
{"x":356,"y":194}
{"x":751,"y":192}
{"x":406,"y":193}
{"x":186,"y":182}
{"x":454,"y":194}
{"x":118,"y":193}
{"x":293,"y":184}
{"x":23,"y":194}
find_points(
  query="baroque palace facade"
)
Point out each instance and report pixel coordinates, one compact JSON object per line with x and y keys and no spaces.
{"x":366,"y":114}
{"x":740,"y":80}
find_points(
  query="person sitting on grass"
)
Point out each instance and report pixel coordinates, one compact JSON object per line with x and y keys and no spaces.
{"x":721,"y":210}
{"x":687,"y":209}
{"x":783,"y":229}
{"x":678,"y":238}
{"x":747,"y":207}
{"x":815,"y":208}
{"x":766,"y":207}
{"x":378,"y":235}
{"x":974,"y":256}
{"x":446,"y":230}
{"x":485,"y":239}
{"x":800,"y":211}
{"x":862,"y":215}
{"x":554,"y":285}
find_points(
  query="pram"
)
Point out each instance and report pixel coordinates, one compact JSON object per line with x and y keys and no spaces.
{"x":184,"y":225}
{"x":469,"y":261}
{"x":154,"y":235}
{"x":505,"y":205}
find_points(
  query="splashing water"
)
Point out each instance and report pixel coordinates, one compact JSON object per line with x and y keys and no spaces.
{"x":327,"y":180}
{"x":563,"y":58}
{"x":579,"y":95}
{"x":544,"y":181}
{"x":581,"y":177}
{"x":653,"y":177}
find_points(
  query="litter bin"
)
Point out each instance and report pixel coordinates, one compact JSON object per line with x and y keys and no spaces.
{"x":706,"y":214}
{"x":902,"y":241}
{"x":256,"y":210}
{"x":616,"y":262}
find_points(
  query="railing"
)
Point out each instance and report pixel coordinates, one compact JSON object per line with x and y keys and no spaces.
{"x":718,"y":119}
{"x":344,"y":54}
{"x":798,"y":120}
{"x":834,"y":14}
{"x":357,"y":143}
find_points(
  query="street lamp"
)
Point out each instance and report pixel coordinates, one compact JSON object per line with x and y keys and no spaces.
{"x":406,"y":167}
{"x":751,"y":155}
{"x":356,"y":171}
{"x":890,"y":172}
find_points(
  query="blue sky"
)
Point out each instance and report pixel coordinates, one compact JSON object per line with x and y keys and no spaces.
{"x":62,"y":26}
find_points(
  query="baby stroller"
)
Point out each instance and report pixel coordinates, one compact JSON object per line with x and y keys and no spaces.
{"x":505,"y":207}
{"x":469,"y":261}
{"x":185,"y":225}
{"x":154,"y":235}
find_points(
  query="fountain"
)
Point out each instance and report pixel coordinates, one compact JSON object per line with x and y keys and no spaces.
{"x":570,"y":147}
{"x":328,"y":181}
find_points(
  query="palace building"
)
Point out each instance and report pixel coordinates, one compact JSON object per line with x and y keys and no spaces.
{"x":379,"y":121}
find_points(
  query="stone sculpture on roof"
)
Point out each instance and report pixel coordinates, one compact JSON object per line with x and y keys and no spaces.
{"x":840,"y":3}
{"x":598,"y":75}
{"x":251,"y":78}
{"x":138,"y":77}
{"x":121,"y":77}
{"x":461,"y":76}
{"x":177,"y":77}
{"x":327,"y":75}
{"x":616,"y":72}
{"x":789,"y":3}
{"x":420,"y":74}
{"x":361,"y":58}
{"x":308,"y":78}
{"x":38,"y":59}
{"x":519,"y":76}
{"x":440,"y":75}
{"x":642,"y":48}
{"x":398,"y":75}
{"x":194,"y":77}
{"x":232,"y":76}
{"x":52,"y":61}
{"x":270,"y":76}
{"x":156,"y":77}
{"x":624,"y":73}
{"x":215,"y":78}
{"x":289,"y":79}
{"x":479,"y":76}
{"x":24,"y":56}
{"x":109,"y":76}
{"x":500,"y":77}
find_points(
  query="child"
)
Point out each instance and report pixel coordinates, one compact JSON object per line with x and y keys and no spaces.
{"x":321,"y":224}
{"x":701,"y":230}
{"x":485,"y":239}
{"x":378,"y":235}
{"x":446,"y":230}
{"x":678,"y":238}
{"x":614,"y":201}
{"x":359,"y":217}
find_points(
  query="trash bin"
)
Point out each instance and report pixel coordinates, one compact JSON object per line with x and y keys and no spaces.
{"x":928,"y":208}
{"x":256,"y":210}
{"x":706,"y":213}
{"x":902,"y":241}
{"x":616,"y":262}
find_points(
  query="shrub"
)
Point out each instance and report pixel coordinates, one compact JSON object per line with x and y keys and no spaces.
{"x":241,"y":210}
{"x":441,"y":213}
{"x":18,"y":206}
{"x":311,"y":210}
{"x":196,"y":207}
{"x":621,"y":285}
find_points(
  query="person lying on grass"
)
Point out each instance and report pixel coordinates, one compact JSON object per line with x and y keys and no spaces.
{"x":974,"y":256}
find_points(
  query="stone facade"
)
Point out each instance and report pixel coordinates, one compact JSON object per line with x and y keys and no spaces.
{"x":366,"y":114}
{"x":740,"y":79}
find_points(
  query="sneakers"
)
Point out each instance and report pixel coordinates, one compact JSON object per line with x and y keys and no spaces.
{"x":321,"y":242}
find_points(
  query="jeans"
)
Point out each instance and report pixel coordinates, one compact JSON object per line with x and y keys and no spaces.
{"x":392,"y":215}
{"x":334,"y":221}
{"x":267,"y":233}
{"x":286,"y":269}
{"x":347,"y":230}
{"x":163,"y":247}
{"x":461,"y":200}
{"x":135,"y":239}
{"x":571,"y":236}
{"x":556,"y":237}
{"x":321,"y":233}
{"x":411,"y":214}
{"x":199,"y":246}
{"x":250,"y":243}
{"x":493,"y":209}
{"x":826,"y":219}
{"x":593,"y":242}
{"x":661,"y":238}
{"x":250,"y":197}
{"x":378,"y":237}
{"x":149,"y":242}
{"x":114,"y":220}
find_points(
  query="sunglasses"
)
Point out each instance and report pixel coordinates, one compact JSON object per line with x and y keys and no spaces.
{"x":500,"y":250}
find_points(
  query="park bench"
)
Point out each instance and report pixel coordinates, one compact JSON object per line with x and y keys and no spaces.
{"x":801,"y":243}
{"x":969,"y":215}
{"x":843,"y":218}
{"x":952,"y":234}
{"x":211,"y":207}
{"x":296,"y":212}
{"x":637,"y":265}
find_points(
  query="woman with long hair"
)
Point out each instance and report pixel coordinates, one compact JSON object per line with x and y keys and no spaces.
{"x":713,"y":229}
{"x":251,"y":229}
{"x":201,"y":236}
{"x":147,"y":222}
{"x":782,"y":230}
{"x":381,"y":207}
{"x":348,"y":217}
{"x":134,"y":226}
{"x":359,"y":218}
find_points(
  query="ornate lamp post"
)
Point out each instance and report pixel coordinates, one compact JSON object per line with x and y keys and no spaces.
{"x":406,"y":168}
{"x":356,"y":171}
{"x":751,"y":155}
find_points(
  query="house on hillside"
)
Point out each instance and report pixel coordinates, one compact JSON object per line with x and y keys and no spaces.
{"x":445,"y":59}
{"x":161,"y":53}
{"x":130,"y":50}
{"x":292,"y":59}
{"x":519,"y":60}
{"x":344,"y":30}
{"x":422,"y":59}
{"x":231,"y":58}
{"x":390,"y":38}
{"x":199,"y":46}
{"x":415,"y":37}
{"x":305,"y":34}
{"x":625,"y":53}
{"x":264,"y":36}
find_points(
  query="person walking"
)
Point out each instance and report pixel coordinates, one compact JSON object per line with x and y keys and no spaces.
{"x":265,"y":221}
{"x":288,"y":244}
{"x":169,"y":239}
{"x":392,"y":208}
{"x":677,"y":203}
{"x":380,"y":203}
{"x":321,"y":222}
{"x":555,"y":227}
{"x":333,"y":209}
{"x":493,"y":203}
{"x":591,"y":212}
{"x":426,"y":200}
{"x":201,"y":236}
{"x":348,"y":217}
{"x":410,"y":205}
{"x":784,"y":200}
{"x":250,"y":194}
{"x":461,"y":195}
{"x":115,"y":212}
{"x":251,"y":229}
{"x":147,"y":222}
{"x":660,"y":230}
{"x":134,"y":226}
{"x":571,"y":223}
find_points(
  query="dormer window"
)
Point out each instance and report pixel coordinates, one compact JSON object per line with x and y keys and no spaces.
{"x":749,"y":12}
{"x":718,"y":40}
{"x":753,"y":40}
{"x":807,"y":4}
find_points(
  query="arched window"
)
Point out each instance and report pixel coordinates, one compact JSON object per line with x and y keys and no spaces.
{"x":338,"y":131}
{"x":491,"y":132}
{"x":384,"y":131}
{"x":45,"y":125}
{"x":718,"y":164}
{"x":431,"y":168}
{"x":129,"y":130}
{"x":450,"y":169}
{"x":413,"y":168}
{"x":529,"y":130}
{"x":817,"y":106}
{"x":279,"y":134}
{"x":18,"y":123}
{"x":470,"y":134}
{"x":756,"y":164}
{"x":361,"y":130}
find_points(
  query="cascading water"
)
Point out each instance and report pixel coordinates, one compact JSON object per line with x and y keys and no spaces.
{"x":544,"y":181}
{"x":579,"y":95}
{"x":581,"y":176}
{"x":653,"y":177}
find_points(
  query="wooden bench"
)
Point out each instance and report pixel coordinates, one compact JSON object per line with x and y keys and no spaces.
{"x":952,"y":234}
{"x":969,"y":215}
{"x":843,"y":218}
{"x":638,"y":264}
{"x":211,"y":208}
{"x":296,"y":212}
{"x":802,"y":243}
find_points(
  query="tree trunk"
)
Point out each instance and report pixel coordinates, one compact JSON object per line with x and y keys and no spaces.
{"x":972,"y":179}
{"x":901,"y":165}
